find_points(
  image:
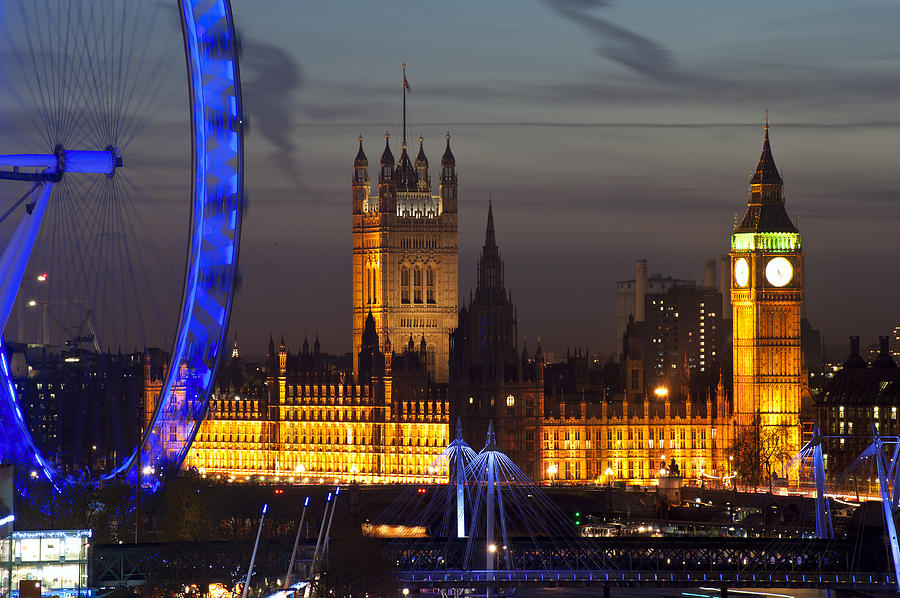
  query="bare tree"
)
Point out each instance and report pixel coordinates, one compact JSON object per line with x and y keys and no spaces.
{"x":760,"y":452}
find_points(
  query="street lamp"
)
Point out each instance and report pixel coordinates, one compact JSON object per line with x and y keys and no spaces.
{"x":661,"y":392}
{"x":609,"y":475}
{"x":551,"y":471}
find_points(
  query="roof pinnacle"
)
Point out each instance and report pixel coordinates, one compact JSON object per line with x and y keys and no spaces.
{"x":490,"y":239}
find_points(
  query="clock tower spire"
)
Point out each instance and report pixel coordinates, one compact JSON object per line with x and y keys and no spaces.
{"x":767,"y":299}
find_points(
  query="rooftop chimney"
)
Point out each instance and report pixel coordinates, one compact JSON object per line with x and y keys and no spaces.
{"x":640,"y":289}
{"x":709,"y":274}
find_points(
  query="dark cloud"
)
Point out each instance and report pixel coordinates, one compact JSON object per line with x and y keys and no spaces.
{"x":268,"y":91}
{"x":631,"y":50}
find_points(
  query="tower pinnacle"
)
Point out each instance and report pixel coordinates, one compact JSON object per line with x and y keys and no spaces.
{"x":766,"y":171}
{"x":490,"y":239}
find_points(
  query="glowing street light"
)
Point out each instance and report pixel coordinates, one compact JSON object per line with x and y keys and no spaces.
{"x":32,"y":303}
{"x":551,"y":471}
{"x":661,"y":391}
{"x":492,"y":548}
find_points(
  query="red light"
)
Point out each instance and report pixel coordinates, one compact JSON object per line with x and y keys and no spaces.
{"x":279,"y":491}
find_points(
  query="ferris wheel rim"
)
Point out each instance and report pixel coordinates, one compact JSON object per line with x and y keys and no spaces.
{"x":210,"y":277}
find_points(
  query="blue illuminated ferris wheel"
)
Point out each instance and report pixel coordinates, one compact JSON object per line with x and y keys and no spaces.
{"x":91,"y":82}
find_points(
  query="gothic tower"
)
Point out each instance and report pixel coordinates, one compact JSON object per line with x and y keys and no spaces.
{"x":766,"y":298}
{"x":491,"y":381}
{"x":405,"y":253}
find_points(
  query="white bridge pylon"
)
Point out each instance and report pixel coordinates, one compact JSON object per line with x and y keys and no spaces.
{"x":48,"y":169}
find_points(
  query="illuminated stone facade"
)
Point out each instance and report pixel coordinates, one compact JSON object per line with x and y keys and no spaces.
{"x":314,"y":425}
{"x":767,"y":299}
{"x":625,"y":434}
{"x":405,"y":253}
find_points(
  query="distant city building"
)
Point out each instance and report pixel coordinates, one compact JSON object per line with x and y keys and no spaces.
{"x":83,"y":408}
{"x":858,"y":400}
{"x":767,"y":300}
{"x":629,"y":292}
{"x":405,"y":253}
{"x":682,"y":335}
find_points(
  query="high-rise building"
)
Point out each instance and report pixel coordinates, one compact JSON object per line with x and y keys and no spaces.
{"x":405,"y":253}
{"x":767,"y":299}
{"x":630,"y":294}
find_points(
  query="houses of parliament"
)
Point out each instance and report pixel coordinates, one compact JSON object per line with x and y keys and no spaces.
{"x":421,"y":362}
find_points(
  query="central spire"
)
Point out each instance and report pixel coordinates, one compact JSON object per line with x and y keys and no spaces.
{"x":490,"y":266}
{"x":490,"y":239}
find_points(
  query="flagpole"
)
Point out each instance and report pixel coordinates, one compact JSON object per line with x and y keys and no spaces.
{"x":404,"y":104}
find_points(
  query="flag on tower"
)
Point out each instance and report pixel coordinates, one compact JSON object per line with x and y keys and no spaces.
{"x":405,"y":82}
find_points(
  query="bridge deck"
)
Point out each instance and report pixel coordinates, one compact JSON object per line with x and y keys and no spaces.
{"x":586,"y":577}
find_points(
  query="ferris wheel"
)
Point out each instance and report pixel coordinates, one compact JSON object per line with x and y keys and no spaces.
{"x":89,"y":85}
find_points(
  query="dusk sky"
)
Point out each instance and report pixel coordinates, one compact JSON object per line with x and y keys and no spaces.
{"x":604,"y":132}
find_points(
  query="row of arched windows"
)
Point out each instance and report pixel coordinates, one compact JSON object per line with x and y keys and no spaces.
{"x":420,"y":293}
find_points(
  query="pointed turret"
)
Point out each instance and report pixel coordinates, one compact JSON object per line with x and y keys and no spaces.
{"x":387,"y":158}
{"x":370,"y":336}
{"x":448,"y":158}
{"x":449,"y":185}
{"x":421,"y":160}
{"x":424,"y":180}
{"x":360,"y":179}
{"x":361,"y":159}
{"x":371,"y":359}
{"x":387,"y":188}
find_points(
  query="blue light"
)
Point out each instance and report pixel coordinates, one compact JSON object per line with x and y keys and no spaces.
{"x":214,"y":89}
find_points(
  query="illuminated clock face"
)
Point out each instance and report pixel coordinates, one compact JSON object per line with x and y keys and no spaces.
{"x":741,"y":272}
{"x":779,"y":271}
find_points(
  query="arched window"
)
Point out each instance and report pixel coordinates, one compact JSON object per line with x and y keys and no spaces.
{"x":417,"y":284}
{"x":429,"y":284}
{"x":404,"y":284}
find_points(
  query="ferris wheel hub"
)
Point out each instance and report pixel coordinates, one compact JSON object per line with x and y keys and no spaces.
{"x":51,"y":167}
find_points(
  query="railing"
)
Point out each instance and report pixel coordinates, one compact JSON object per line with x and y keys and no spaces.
{"x":651,"y":578}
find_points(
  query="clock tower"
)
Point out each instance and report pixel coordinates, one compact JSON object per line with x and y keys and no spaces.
{"x":767,"y":298}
